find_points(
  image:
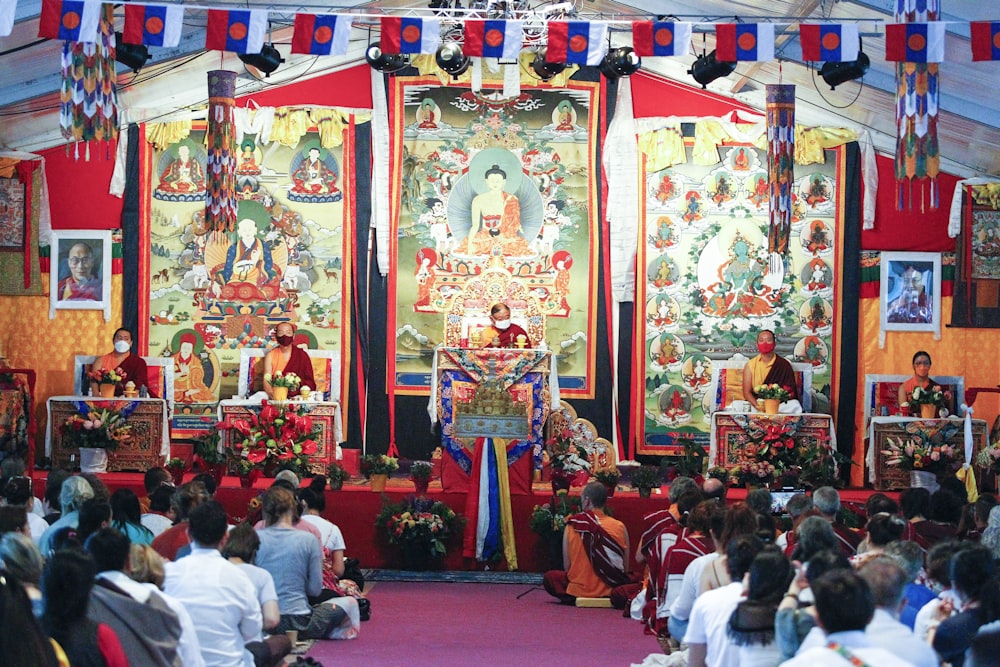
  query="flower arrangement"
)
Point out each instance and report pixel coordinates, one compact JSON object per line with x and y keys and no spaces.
{"x":549,"y":520}
{"x":420,"y":471}
{"x":607,"y":476}
{"x":107,"y":376}
{"x":936,"y":396}
{"x":378,"y":464}
{"x":418,"y":525}
{"x":773,"y":390}
{"x":279,"y":379}
{"x":719,"y":473}
{"x":918,"y":453}
{"x":566,"y":456}
{"x":176,"y":463}
{"x":989,"y":458}
{"x":208,"y":450}
{"x":272,"y":438}
{"x":752,"y":472}
{"x":337,"y":474}
{"x":646,"y":478}
{"x":103,"y":428}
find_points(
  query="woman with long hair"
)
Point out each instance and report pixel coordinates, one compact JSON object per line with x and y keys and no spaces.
{"x":751,"y":627}
{"x":22,"y":641}
{"x":126,"y":517}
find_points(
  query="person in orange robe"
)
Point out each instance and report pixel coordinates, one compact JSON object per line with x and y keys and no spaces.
{"x":131,"y":364}
{"x":287,"y":358}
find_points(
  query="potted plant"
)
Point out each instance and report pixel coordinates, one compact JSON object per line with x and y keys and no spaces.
{"x":337,"y":474}
{"x":568,"y":461}
{"x":609,"y":478}
{"x":210,"y":455}
{"x":931,"y":401}
{"x":420,"y":474}
{"x":247,"y":472}
{"x":549,"y":522}
{"x":645,"y":479}
{"x":377,"y":468}
{"x":95,"y":433}
{"x":277,"y":436}
{"x":282,"y":383}
{"x":177,"y":467}
{"x":420,"y":526}
{"x":772,"y":395}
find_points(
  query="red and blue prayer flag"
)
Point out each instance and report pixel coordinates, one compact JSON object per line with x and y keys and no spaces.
{"x":236,"y":30}
{"x":985,"y":40}
{"x":323,"y":35}
{"x":744,"y":42}
{"x":493,"y":38}
{"x":829,"y":42}
{"x":153,"y":25}
{"x":661,"y":38}
{"x":915,"y":42}
{"x":577,"y":42}
{"x":70,"y":20}
{"x":406,"y":34}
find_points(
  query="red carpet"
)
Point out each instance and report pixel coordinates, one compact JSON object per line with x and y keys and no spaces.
{"x":484,"y":624}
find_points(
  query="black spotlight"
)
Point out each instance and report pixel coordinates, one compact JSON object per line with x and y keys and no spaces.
{"x":707,"y":69}
{"x":266,"y":61}
{"x":451,"y":59}
{"x":384,"y":62}
{"x":620,"y":62}
{"x":544,"y":69}
{"x":133,"y":56}
{"x":837,"y":73}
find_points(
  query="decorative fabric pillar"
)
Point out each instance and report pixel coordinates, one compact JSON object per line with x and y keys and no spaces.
{"x":917,"y":94}
{"x":780,"y":164}
{"x":88,"y":107}
{"x":220,"y":167}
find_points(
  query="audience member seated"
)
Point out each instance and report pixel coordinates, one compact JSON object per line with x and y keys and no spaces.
{"x":844,"y":607}
{"x":153,"y":479}
{"x":882,"y":530}
{"x":183,"y":502}
{"x":22,"y":641}
{"x":595,"y":551}
{"x":313,"y":504}
{"x":126,"y":517}
{"x":94,"y":515}
{"x":827,"y":501}
{"x":17,"y":493}
{"x":218,"y":595}
{"x":67,"y":581}
{"x":939,"y":576}
{"x":887,"y":580}
{"x":798,"y":507}
{"x":53,"y":487}
{"x":21,"y":558}
{"x":288,"y":358}
{"x":920,"y":378}
{"x":739,"y":520}
{"x":73,"y":492}
{"x":680,"y":609}
{"x":910,"y":557}
{"x":14,"y":520}
{"x":714,"y":489}
{"x":973,"y":575}
{"x":751,"y":627}
{"x":295,"y":561}
{"x":795,"y":620}
{"x":147,"y":628}
{"x":695,"y":542}
{"x":132,"y":365}
{"x":101,"y":491}
{"x":707,"y":632}
{"x":241,"y":550}
{"x":297,"y":522}
{"x":981,"y":510}
{"x":160,"y":516}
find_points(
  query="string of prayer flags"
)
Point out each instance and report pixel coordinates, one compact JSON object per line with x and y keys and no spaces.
{"x":70,"y":20}
{"x":577,"y":42}
{"x":744,"y":42}
{"x":153,"y":25}
{"x":661,"y":38}
{"x":493,"y":38}
{"x":985,"y":40}
{"x":407,"y":34}
{"x":236,"y":30}
{"x":829,"y":42}
{"x":322,"y":35}
{"x":915,"y":42}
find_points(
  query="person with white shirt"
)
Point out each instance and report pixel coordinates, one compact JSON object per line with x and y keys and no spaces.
{"x":680,"y":609}
{"x":845,"y":606}
{"x":707,"y":637}
{"x":160,"y":516}
{"x":17,"y":493}
{"x":887,"y":581}
{"x":221,"y":599}
{"x":313,"y":503}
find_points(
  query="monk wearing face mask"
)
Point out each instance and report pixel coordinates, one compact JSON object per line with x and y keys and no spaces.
{"x":503,"y":332}
{"x":768,"y":368}
{"x":288,"y":358}
{"x":123,"y":359}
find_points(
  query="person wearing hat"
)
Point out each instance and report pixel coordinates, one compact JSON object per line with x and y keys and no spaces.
{"x":189,"y":374}
{"x":132,"y":365}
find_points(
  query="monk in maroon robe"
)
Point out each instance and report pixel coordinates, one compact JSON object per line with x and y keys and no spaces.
{"x":503,"y":332}
{"x":287,"y":358}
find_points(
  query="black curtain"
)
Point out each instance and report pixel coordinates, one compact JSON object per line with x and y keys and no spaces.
{"x":361,"y":339}
{"x":130,"y":236}
{"x":850,"y":290}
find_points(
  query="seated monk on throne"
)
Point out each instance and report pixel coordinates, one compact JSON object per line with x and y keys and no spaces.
{"x":503,"y":332}
{"x":132,"y":365}
{"x":768,"y":368}
{"x":287,"y":358}
{"x":248,"y":260}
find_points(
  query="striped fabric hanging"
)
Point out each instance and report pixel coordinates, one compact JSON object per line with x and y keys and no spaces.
{"x":88,"y":107}
{"x":780,"y":164}
{"x":220,"y":167}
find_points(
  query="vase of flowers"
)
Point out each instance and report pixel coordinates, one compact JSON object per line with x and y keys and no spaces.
{"x":210,"y":455}
{"x":277,"y":436}
{"x":177,"y":467}
{"x":377,"y":468}
{"x":925,"y":457}
{"x":753,"y":474}
{"x":247,"y":472}
{"x":282,"y":383}
{"x":645,"y":479}
{"x":337,"y":475}
{"x":773,"y":395}
{"x":96,"y":432}
{"x":420,"y":527}
{"x":420,"y":475}
{"x":609,"y":478}
{"x":931,"y":401}
{"x":107,"y":380}
{"x":569,"y":462}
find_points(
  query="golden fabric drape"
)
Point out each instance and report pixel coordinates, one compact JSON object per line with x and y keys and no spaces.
{"x":161,"y":135}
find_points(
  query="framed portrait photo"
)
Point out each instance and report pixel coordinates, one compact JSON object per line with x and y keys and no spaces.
{"x":911,"y":292}
{"x":80,"y":271}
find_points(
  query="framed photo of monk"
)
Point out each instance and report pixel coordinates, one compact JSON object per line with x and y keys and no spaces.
{"x":80,"y":271}
{"x":911,"y":291}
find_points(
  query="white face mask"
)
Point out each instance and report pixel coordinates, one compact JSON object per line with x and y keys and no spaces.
{"x":502,"y":325}
{"x":122,"y":346}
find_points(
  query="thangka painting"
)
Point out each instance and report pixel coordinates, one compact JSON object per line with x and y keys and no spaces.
{"x":496,"y":201}
{"x":212,"y":294}
{"x":984,"y":244}
{"x":710,"y":285}
{"x":11,"y":215}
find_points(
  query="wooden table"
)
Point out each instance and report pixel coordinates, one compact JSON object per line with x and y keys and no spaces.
{"x":148,"y":444}
{"x":884,"y":477}
{"x":729,"y":436}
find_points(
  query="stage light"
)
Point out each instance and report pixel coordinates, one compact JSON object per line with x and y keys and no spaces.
{"x":620,"y":62}
{"x":384,"y":62}
{"x":133,"y":56}
{"x":837,"y":73}
{"x":451,"y":60}
{"x":707,"y":69}
{"x":266,"y":61}
{"x":544,"y":69}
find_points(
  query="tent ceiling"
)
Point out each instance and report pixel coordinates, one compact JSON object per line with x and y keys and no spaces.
{"x":175,"y":80}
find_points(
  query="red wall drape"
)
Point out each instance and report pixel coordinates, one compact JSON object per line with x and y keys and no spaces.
{"x":78,"y":188}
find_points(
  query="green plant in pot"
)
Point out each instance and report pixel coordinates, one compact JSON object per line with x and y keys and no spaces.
{"x":420,"y":474}
{"x":609,"y":478}
{"x":177,"y":467}
{"x":645,"y":479}
{"x":377,"y":468}
{"x":337,"y":475}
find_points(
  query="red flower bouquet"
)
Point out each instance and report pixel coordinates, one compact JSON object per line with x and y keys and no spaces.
{"x":275,"y":436}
